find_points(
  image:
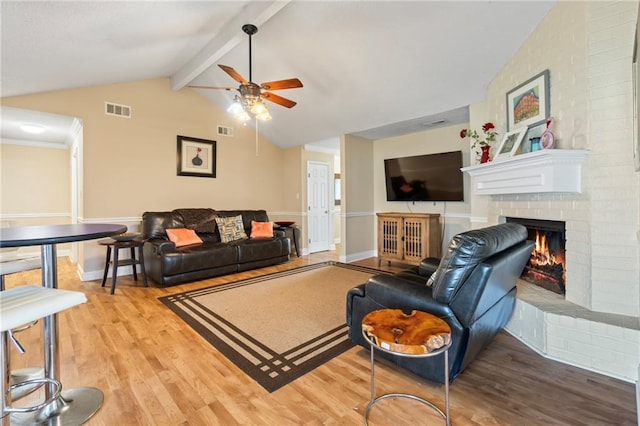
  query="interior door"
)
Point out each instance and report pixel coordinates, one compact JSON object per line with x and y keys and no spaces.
{"x":318,"y":184}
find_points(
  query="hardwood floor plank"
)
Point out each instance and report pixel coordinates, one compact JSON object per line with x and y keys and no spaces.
{"x":155,"y":370}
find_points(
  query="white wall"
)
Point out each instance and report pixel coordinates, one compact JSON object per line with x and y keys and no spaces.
{"x":591,"y":102}
{"x":587,"y":47}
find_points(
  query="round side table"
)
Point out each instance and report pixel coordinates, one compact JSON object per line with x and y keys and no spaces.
{"x":418,"y":335}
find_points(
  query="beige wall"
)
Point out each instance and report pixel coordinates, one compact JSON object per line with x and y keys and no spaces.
{"x":35,"y":188}
{"x":129,"y":165}
{"x":454,"y":215}
{"x":34,"y":182}
{"x":358,"y":218}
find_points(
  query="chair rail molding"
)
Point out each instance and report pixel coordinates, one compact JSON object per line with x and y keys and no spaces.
{"x":548,"y":170}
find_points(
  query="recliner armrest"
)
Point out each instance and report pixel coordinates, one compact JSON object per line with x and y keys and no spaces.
{"x":389,"y":291}
{"x":161,"y":245}
{"x":428,"y":266}
{"x":354,"y":292}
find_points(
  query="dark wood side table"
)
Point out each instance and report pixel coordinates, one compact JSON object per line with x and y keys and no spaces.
{"x":292,"y":231}
{"x":418,"y":335}
{"x":116,"y":246}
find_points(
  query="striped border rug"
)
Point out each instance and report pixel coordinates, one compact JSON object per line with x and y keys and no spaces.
{"x":276,"y":327}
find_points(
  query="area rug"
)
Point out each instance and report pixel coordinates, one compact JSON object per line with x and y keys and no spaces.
{"x":276,"y":327}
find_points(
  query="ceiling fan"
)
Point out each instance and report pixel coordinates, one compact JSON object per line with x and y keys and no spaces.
{"x":251,"y":94}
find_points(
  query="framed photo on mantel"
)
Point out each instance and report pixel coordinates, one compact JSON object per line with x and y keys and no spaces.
{"x":196,"y":157}
{"x":528,"y":104}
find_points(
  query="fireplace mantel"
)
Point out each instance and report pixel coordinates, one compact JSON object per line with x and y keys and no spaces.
{"x":548,"y":170}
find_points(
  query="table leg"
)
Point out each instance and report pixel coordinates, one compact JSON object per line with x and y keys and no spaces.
{"x":144,"y":272}
{"x":5,"y":374}
{"x":106,"y":266}
{"x":133,"y":263}
{"x":73,"y":406}
{"x":446,"y":386}
{"x":50,"y":280}
{"x":114,"y":270}
{"x":296,"y":234}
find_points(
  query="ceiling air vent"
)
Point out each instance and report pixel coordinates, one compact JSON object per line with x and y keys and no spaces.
{"x":225,"y":131}
{"x":117,"y":110}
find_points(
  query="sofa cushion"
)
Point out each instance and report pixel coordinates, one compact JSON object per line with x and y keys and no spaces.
{"x":200,"y":219}
{"x":183,"y":236}
{"x":261,"y":229}
{"x":260,"y":249}
{"x":199,"y":257}
{"x":231,"y":228}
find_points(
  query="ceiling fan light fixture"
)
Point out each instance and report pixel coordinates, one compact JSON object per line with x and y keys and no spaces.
{"x":265,"y":116}
{"x":235,"y":108}
{"x":258,"y":107}
{"x":243,"y":116}
{"x":250,"y":96}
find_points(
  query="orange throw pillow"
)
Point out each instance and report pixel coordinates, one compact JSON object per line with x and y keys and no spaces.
{"x":183,"y":236}
{"x":261,"y":229}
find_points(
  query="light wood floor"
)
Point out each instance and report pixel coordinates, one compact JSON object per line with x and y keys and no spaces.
{"x":154,"y":370}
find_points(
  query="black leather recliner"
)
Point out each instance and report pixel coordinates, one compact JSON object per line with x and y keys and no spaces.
{"x":473,"y":289}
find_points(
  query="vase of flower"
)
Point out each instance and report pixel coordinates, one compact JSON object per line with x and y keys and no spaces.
{"x":484,"y":157}
{"x":479,"y":141}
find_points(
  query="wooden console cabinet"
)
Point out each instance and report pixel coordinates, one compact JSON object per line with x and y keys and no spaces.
{"x":408,"y":237}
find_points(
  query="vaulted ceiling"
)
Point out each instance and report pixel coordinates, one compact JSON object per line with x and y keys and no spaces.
{"x":370,"y":68}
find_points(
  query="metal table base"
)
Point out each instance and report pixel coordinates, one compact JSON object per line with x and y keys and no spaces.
{"x":374,"y":400}
{"x":73,"y":408}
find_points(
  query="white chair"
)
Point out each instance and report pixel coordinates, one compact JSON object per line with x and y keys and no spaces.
{"x":22,"y":305}
{"x":11,"y":262}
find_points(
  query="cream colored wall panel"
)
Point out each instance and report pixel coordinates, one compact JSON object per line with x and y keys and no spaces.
{"x":130,"y":164}
{"x":443,"y":139}
{"x":34,"y":181}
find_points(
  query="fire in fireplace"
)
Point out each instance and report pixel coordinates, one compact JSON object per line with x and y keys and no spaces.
{"x":546,"y":267}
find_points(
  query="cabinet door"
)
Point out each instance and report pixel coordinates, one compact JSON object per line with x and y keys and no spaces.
{"x":390,"y":237}
{"x":415,"y":244}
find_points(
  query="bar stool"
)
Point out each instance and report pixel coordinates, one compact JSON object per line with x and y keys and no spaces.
{"x":19,"y":306}
{"x":10,"y":263}
{"x":15,"y":265}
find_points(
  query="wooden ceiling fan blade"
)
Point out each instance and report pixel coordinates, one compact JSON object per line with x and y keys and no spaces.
{"x":234,"y":74}
{"x":290,"y":83}
{"x":213,"y":87}
{"x":271,"y":97}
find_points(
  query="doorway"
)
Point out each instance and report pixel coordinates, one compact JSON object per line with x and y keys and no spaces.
{"x":319,"y":189}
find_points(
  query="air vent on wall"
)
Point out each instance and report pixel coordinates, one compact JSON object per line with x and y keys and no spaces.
{"x":225,"y":131}
{"x":117,"y":110}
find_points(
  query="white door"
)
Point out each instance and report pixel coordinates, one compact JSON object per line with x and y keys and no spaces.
{"x":318,"y":184}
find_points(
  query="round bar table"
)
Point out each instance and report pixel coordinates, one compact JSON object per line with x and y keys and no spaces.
{"x":75,"y":406}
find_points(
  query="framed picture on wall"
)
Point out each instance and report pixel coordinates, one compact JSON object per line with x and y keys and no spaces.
{"x":528,"y":104}
{"x":196,"y":157}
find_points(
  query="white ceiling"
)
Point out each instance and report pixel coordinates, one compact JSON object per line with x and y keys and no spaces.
{"x":371,"y":68}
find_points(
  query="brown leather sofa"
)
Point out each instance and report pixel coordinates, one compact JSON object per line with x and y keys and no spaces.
{"x":473,"y":290}
{"x":169,"y":265}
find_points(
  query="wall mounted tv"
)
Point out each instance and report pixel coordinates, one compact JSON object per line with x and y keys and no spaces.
{"x":430,"y":177}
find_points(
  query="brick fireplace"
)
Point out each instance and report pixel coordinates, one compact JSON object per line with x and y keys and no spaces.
{"x":583,"y":326}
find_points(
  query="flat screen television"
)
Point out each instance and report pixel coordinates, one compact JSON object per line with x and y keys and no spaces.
{"x":430,"y":177}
